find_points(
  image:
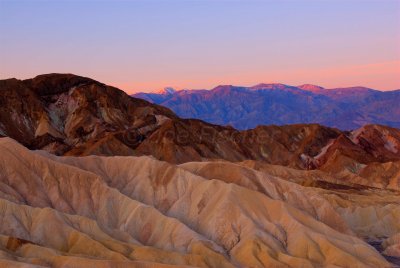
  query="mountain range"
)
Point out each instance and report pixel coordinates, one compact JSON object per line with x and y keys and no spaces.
{"x":279,"y":104}
{"x":92,"y":177}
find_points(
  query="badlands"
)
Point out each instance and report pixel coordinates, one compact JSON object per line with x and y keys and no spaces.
{"x":91,"y":177}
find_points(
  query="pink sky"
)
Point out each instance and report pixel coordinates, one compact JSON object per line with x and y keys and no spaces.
{"x":147,"y":45}
{"x":381,"y":76}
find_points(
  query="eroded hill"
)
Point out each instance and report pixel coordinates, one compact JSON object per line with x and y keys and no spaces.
{"x":141,"y":212}
{"x":72,"y":115}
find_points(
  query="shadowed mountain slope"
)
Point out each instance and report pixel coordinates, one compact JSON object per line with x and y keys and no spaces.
{"x":71,"y":115}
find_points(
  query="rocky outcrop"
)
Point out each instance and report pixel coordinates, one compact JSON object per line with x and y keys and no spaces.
{"x":68,"y":114}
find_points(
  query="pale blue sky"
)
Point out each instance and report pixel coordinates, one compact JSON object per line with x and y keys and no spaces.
{"x":144,"y":45}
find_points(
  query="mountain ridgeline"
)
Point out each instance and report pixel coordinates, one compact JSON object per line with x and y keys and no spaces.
{"x":279,"y":104}
{"x":73,"y":115}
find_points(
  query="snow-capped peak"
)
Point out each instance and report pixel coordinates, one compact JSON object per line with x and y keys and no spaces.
{"x":310,"y":87}
{"x":166,"y":91}
{"x":269,"y":86}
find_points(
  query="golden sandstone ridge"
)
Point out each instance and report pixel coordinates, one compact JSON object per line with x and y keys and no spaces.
{"x":90,"y":177}
{"x":141,"y":212}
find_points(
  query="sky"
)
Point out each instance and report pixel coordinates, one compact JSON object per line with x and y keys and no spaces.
{"x":145,"y":45}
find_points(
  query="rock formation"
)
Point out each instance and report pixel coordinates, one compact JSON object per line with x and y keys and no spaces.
{"x":134,"y":211}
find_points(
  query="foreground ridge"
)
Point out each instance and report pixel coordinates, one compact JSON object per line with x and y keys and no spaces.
{"x":130,"y":210}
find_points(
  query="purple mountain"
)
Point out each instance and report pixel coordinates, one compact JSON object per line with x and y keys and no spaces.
{"x":279,"y":104}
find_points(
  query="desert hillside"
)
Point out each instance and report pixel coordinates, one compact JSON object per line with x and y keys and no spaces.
{"x":141,"y":212}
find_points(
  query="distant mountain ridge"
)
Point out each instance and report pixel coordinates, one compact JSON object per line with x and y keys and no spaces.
{"x":280,"y":104}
